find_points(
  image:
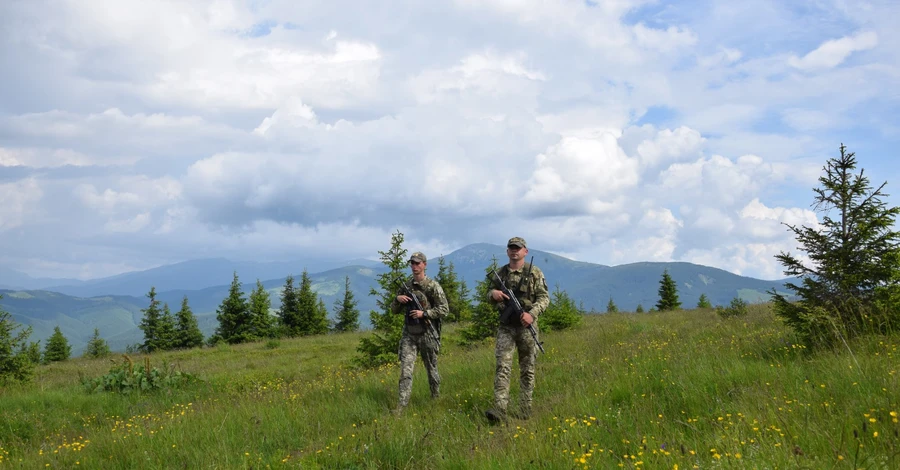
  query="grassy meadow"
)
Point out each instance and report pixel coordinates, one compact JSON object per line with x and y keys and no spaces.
{"x":657,"y":390}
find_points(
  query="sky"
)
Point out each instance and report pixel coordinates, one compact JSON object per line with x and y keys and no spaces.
{"x":135,"y":134}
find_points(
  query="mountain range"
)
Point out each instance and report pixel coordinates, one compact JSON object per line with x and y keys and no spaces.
{"x":113,"y":304}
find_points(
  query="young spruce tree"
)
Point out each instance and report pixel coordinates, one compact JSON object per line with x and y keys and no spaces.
{"x":187,"y":331}
{"x":289,"y":313}
{"x":703,"y":302}
{"x":15,"y":365}
{"x":381,"y":346}
{"x":345,"y":311}
{"x":166,"y":329}
{"x":611,"y":306}
{"x":57,"y":348}
{"x":311,"y":321}
{"x":261,"y":324}
{"x":150,"y":324}
{"x":852,"y":284}
{"x":96,"y":346}
{"x":455,"y":290}
{"x":485,"y":318}
{"x":562,"y":313}
{"x":233,"y":315}
{"x":668,"y":294}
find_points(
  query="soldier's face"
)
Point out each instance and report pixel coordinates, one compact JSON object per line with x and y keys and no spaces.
{"x":516,"y":253}
{"x":417,"y":267}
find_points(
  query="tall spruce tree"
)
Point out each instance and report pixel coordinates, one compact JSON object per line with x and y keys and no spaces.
{"x":289,"y":312}
{"x":381,"y":346}
{"x":668,"y":294}
{"x":321,"y":324}
{"x":345,"y":311}
{"x":455,"y":290}
{"x":187,"y":331}
{"x":485,"y":318}
{"x":166,"y":329}
{"x":261,"y":324}
{"x":150,"y":324}
{"x":57,"y":347}
{"x":309,"y":318}
{"x":15,"y":364}
{"x":233,"y":315}
{"x":852,"y":284}
{"x":96,"y":346}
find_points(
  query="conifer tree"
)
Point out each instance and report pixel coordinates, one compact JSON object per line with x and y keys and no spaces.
{"x":289,"y":312}
{"x":668,"y":294}
{"x":166,"y":329}
{"x":150,"y":324}
{"x":611,"y":306}
{"x":15,"y":364}
{"x":703,"y":302}
{"x":345,"y":311}
{"x":57,"y":348}
{"x":307,"y":306}
{"x":96,"y":346}
{"x":261,"y":324}
{"x":321,"y":324}
{"x":639,"y":309}
{"x":381,"y":346}
{"x":187,"y":331}
{"x":233,"y":315}
{"x":32,"y":351}
{"x":852,"y":285}
{"x":561,"y":314}
{"x":485,"y":318}
{"x":455,"y":290}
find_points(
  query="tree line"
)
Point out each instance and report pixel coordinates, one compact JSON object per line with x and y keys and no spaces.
{"x":850,"y":286}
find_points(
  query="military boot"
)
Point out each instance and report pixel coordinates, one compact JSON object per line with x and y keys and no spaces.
{"x":495,"y":415}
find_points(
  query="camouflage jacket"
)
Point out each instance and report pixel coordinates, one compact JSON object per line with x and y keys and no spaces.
{"x":436,"y":306}
{"x":531,"y":292}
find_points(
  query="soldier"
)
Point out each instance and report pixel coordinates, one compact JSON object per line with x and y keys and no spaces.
{"x":421,"y":330}
{"x":531,"y":290}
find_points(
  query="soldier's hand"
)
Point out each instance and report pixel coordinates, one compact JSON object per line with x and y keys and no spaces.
{"x":498,"y":295}
{"x":404,"y":299}
{"x":416,"y":313}
{"x":527,"y":319}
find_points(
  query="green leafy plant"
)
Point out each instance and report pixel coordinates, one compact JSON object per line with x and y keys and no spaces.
{"x":126,"y":377}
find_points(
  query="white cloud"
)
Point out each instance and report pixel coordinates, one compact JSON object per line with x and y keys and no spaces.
{"x":833,"y":52}
{"x":611,"y":131}
{"x":723,"y":57}
{"x":20,"y":201}
{"x":582,"y":173}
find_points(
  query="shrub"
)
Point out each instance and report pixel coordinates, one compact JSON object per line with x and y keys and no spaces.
{"x":562,"y":313}
{"x":737,"y":308}
{"x":127,"y":378}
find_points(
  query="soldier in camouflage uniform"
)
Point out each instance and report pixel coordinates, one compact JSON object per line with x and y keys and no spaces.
{"x":421,"y":330}
{"x":534,"y":298}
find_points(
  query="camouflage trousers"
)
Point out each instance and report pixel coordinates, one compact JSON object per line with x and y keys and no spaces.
{"x":510,"y":339}
{"x":411,"y":346}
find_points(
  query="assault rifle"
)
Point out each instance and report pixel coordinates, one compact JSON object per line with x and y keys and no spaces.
{"x":517,"y":307}
{"x":417,"y":306}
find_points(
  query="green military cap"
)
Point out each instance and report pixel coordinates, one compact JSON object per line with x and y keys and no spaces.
{"x":418,"y":256}
{"x":517,"y":241}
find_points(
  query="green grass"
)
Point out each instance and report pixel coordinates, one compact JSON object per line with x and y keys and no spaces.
{"x":664,"y":390}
